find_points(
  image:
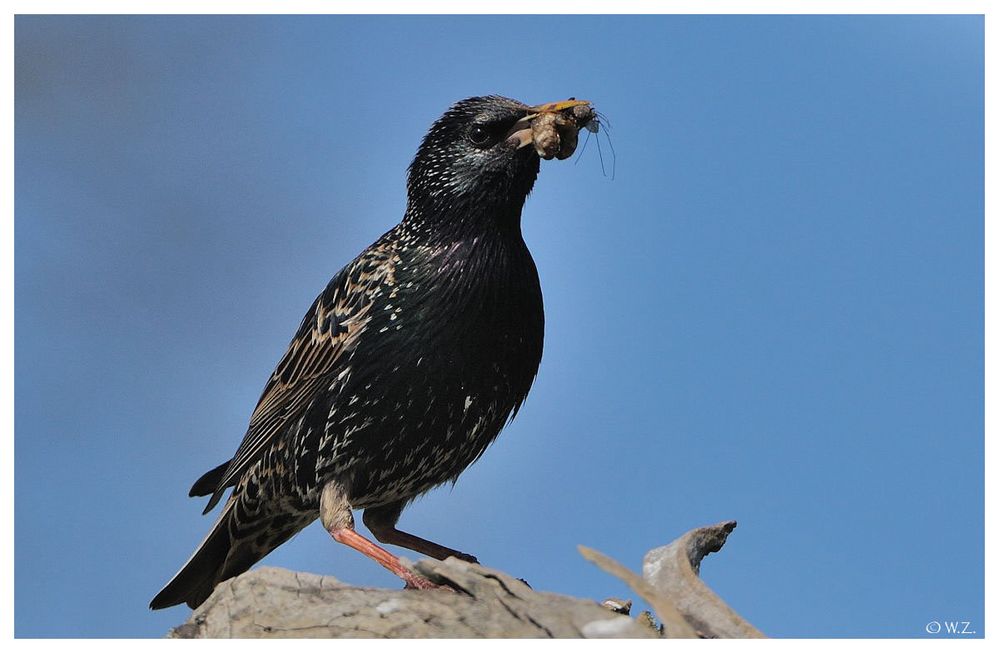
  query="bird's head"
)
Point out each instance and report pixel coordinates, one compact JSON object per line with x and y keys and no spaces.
{"x":480,"y":159}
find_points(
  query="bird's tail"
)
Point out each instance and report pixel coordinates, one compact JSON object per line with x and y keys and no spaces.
{"x":231,"y":547}
{"x":202,"y":572}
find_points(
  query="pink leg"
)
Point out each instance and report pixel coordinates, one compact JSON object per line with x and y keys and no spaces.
{"x":420,"y":545}
{"x":358,"y":542}
{"x":381,"y":521}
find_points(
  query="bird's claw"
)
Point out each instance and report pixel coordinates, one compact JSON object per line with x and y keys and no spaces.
{"x":420,"y":583}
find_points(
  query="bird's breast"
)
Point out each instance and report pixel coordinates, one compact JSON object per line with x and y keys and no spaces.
{"x":460,"y":341}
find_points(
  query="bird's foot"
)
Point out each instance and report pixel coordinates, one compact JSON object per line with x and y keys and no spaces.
{"x":414,"y":582}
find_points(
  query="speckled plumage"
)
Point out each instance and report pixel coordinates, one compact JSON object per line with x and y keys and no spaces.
{"x":405,"y":367}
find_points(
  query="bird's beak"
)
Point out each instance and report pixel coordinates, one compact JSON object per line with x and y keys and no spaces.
{"x":552,"y":128}
{"x":556,"y":107}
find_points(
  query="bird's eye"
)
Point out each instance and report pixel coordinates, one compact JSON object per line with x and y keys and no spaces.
{"x":479,"y":135}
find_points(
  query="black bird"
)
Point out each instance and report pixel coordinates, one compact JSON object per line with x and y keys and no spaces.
{"x":407,"y":365}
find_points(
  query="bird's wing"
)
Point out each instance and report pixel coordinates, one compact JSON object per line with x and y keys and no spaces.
{"x":314,"y":358}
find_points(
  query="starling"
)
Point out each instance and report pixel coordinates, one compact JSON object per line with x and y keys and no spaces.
{"x":407,"y":365}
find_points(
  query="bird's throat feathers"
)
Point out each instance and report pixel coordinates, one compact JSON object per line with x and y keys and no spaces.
{"x":457,"y":204}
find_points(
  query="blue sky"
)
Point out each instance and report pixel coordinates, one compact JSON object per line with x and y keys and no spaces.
{"x":773,"y":313}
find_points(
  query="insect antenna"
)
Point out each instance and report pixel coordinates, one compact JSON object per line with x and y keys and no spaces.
{"x":594,"y":127}
{"x":601,"y":155}
{"x":610,"y":144}
{"x":582,"y":149}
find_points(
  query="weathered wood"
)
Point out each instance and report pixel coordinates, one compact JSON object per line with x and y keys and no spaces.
{"x":674,"y":624}
{"x":276,"y":603}
{"x":673,"y":570}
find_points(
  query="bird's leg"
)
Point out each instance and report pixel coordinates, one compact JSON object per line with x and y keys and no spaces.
{"x":335,"y":513}
{"x":381,"y":522}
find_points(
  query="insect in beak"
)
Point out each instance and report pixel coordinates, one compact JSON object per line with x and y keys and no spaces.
{"x":552,"y":127}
